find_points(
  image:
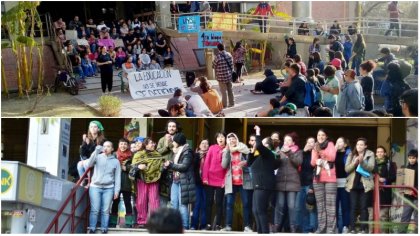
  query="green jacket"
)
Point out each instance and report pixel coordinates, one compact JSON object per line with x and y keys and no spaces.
{"x":368,"y":164}
{"x":153,"y":161}
{"x":164,"y":147}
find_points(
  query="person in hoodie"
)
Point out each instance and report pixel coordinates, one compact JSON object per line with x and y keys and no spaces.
{"x":198,"y":219}
{"x":183,"y":184}
{"x":410,"y":210}
{"x":343,"y":197}
{"x":105,"y":184}
{"x":378,"y":75}
{"x":360,"y":184}
{"x":234,"y":160}
{"x":269,"y":85}
{"x":325,"y":182}
{"x":306,"y":219}
{"x":351,"y":98}
{"x":287,"y":180}
{"x":387,"y":171}
{"x":214,"y":181}
{"x":124,"y":156}
{"x":262,"y":162}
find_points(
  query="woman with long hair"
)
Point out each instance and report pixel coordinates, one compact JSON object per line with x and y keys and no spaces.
{"x":359,"y":167}
{"x":105,"y":62}
{"x":367,"y":83}
{"x":198,"y":219}
{"x":239,"y":53}
{"x":358,"y":53}
{"x":325,"y":182}
{"x":314,"y":47}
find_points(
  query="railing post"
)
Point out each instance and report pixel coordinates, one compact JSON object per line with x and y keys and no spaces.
{"x":376,"y":206}
{"x":73,"y":211}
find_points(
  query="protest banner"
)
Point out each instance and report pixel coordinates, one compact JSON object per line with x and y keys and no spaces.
{"x":209,"y":39}
{"x":224,"y":21}
{"x":154,"y":83}
{"x":189,"y":24}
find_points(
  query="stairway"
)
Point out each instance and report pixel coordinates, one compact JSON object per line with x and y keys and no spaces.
{"x":93,"y":84}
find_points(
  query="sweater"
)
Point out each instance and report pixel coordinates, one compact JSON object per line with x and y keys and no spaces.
{"x":213,"y":101}
{"x":107,"y":172}
{"x":213,"y":172}
{"x":328,"y":155}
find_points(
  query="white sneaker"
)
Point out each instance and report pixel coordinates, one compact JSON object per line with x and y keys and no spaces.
{"x":345,"y":230}
{"x":247,"y":229}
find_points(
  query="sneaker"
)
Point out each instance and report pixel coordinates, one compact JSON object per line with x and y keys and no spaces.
{"x":227,"y":228}
{"x":104,"y":231}
{"x":248,"y":229}
{"x":192,"y":228}
{"x":218,"y":228}
{"x":208,"y":227}
{"x":352,"y":231}
{"x":91,"y":231}
{"x":361,"y":232}
{"x":345,"y":230}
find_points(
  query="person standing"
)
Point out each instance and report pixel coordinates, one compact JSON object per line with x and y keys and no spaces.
{"x":239,"y":53}
{"x":334,"y":46}
{"x":223,"y":7}
{"x":198,"y":219}
{"x":325,"y":182}
{"x":263,"y":10}
{"x":105,"y":62}
{"x":183,"y":184}
{"x":351,"y":97}
{"x":214,"y":181}
{"x":409,"y":210}
{"x":367,"y":83}
{"x":330,"y":89}
{"x":394,"y":15}
{"x":105,"y":185}
{"x":223,"y":65}
{"x":359,"y":167}
{"x":358,"y":53}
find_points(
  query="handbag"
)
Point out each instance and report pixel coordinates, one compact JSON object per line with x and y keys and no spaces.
{"x":234,"y":74}
{"x":362,"y":171}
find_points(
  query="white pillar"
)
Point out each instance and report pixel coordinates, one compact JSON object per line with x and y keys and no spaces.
{"x":163,"y":13}
{"x":302,"y":10}
{"x":49,"y":145}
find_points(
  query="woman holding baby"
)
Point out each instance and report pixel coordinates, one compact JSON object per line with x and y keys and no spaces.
{"x":325,"y":182}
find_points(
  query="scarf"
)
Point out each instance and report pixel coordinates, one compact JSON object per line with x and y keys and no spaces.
{"x":123,"y":156}
{"x":381,"y":163}
{"x":293,"y":148}
{"x":324,"y":144}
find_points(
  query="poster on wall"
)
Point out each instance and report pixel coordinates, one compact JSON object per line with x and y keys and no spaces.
{"x":224,"y":21}
{"x":209,"y":39}
{"x":131,"y":128}
{"x":189,"y":24}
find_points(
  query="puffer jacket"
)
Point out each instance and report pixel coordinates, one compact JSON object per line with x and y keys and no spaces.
{"x":287,"y":177}
{"x":185,"y":168}
{"x":227,"y":164}
{"x":368,"y":164}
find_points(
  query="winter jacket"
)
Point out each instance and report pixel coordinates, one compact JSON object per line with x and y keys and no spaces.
{"x":164,"y":147}
{"x":387,"y":170}
{"x":368,"y":164}
{"x":152,"y":173}
{"x":263,"y":164}
{"x":270,"y":84}
{"x":126,"y":183}
{"x":287,"y":177}
{"x":242,"y":150}
{"x":351,"y":98}
{"x":107,"y":172}
{"x":185,"y":168}
{"x":213,"y":172}
{"x":329,"y":155}
{"x":307,"y":170}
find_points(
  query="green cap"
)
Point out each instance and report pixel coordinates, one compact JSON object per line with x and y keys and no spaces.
{"x":97,"y":123}
{"x":291,"y":106}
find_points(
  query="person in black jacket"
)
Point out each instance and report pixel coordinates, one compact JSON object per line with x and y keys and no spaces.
{"x":183,"y":184}
{"x":387,"y":172}
{"x":291,"y":47}
{"x":269,"y":85}
{"x":409,"y":210}
{"x":306,"y":220}
{"x":296,"y":92}
{"x":262,"y":163}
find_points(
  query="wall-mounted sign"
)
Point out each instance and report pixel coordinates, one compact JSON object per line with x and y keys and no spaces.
{"x":189,"y":24}
{"x":209,"y":39}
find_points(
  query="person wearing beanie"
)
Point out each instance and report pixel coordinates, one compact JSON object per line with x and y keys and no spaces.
{"x":269,"y":85}
{"x":237,"y":180}
{"x":95,"y":136}
{"x":183,"y":184}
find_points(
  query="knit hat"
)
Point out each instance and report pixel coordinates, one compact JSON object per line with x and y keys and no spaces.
{"x":336,"y":62}
{"x":180,"y":139}
{"x":268,"y":72}
{"x":291,"y":106}
{"x":97,"y":123}
{"x":138,"y":139}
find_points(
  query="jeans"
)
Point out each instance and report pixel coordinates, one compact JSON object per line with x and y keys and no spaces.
{"x":359,"y":201}
{"x":263,"y":24}
{"x":177,"y":204}
{"x":230,"y":201}
{"x":406,"y":215}
{"x":306,"y":220}
{"x":119,"y":61}
{"x":343,"y":202}
{"x":82,"y":167}
{"x":260,"y":202}
{"x":356,"y":65}
{"x":378,"y":77}
{"x":394,"y":24}
{"x":226,"y":91}
{"x":198,"y":220}
{"x":100,"y":201}
{"x":291,"y":204}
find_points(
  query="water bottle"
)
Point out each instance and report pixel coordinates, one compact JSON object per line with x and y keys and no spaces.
{"x":121,"y":212}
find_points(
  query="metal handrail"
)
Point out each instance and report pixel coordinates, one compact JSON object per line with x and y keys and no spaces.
{"x":377,"y":203}
{"x":74,"y":205}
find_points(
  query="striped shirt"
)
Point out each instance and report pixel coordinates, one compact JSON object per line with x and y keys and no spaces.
{"x":223,"y":67}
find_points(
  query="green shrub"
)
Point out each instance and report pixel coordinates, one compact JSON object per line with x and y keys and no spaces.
{"x":109,"y":105}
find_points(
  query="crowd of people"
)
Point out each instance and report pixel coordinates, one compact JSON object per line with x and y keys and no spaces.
{"x":96,"y":47}
{"x":323,"y":187}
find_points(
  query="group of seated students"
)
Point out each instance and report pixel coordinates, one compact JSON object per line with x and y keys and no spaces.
{"x":141,"y":45}
{"x":205,"y":103}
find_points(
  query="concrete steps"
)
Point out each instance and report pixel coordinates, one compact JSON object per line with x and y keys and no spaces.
{"x":144,"y":231}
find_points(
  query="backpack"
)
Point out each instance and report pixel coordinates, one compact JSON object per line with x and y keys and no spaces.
{"x":310,"y":94}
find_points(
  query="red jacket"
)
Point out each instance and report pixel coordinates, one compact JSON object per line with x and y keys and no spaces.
{"x":213,"y":172}
{"x":263,"y":9}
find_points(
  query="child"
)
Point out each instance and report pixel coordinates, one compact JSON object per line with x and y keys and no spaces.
{"x":105,"y":185}
{"x":409,"y":210}
{"x":124,"y":156}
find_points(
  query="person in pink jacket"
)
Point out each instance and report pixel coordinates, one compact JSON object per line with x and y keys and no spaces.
{"x":214,"y":181}
{"x":325,"y":183}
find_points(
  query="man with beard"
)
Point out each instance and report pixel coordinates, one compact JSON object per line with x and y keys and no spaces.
{"x":164,"y":147}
